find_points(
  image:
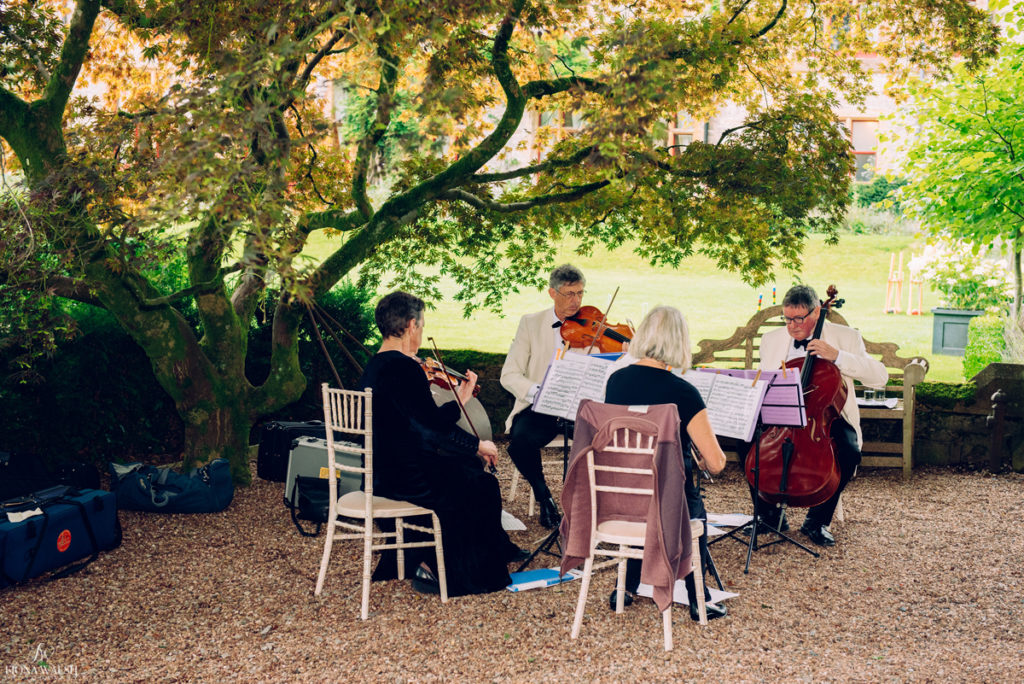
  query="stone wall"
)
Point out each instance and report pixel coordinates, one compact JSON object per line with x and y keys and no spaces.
{"x":954,"y":435}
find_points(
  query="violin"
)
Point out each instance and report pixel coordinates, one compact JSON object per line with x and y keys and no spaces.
{"x":587,"y":328}
{"x":439,"y":366}
{"x":443,"y":376}
{"x":798,"y":465}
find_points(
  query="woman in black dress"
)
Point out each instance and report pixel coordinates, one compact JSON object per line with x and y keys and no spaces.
{"x":421,"y":456}
{"x":661,"y":342}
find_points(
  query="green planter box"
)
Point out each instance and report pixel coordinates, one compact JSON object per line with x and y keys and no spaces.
{"x":949,"y":330}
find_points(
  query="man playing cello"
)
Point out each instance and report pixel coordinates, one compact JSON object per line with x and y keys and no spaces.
{"x":537,"y":338}
{"x":844,"y":347}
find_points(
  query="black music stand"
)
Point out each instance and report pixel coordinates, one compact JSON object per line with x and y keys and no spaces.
{"x":551,"y":539}
{"x":782,"y":408}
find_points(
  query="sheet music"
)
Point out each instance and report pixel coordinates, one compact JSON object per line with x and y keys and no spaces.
{"x":702,"y":381}
{"x":733,"y":406}
{"x":569,"y":381}
{"x":733,"y":403}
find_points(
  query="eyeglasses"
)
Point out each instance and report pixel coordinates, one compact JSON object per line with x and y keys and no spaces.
{"x":573,"y":294}
{"x":797,"y":319}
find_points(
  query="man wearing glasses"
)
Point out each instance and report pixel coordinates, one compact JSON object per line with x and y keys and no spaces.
{"x":537,"y":338}
{"x":844,"y":347}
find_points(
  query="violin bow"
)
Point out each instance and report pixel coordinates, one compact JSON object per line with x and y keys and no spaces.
{"x":601,"y":324}
{"x":451,"y":384}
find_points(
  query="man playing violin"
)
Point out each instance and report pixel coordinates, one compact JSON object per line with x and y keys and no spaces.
{"x":537,"y":338}
{"x":844,"y":347}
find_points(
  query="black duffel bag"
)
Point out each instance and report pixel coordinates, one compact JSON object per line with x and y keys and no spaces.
{"x":161,"y":490}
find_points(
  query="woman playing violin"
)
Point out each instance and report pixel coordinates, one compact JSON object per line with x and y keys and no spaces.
{"x":422,"y":457}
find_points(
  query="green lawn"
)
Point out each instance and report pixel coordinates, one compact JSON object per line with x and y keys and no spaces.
{"x":716,"y":303}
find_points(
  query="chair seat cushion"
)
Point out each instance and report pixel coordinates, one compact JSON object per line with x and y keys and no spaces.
{"x":353,"y":505}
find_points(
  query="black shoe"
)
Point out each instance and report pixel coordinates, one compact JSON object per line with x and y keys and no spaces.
{"x":425,"y":583}
{"x":627,"y":600}
{"x":818,"y":533}
{"x":714,"y":612}
{"x":549,"y":515}
{"x":517,"y":555}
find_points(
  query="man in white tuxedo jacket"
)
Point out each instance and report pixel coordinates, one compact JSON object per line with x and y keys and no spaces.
{"x":843,"y":346}
{"x":537,"y":338}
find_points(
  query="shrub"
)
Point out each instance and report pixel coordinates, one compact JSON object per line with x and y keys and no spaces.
{"x":964,"y":278}
{"x":95,"y":397}
{"x":984,"y":343}
{"x":880,"y":193}
{"x":946,"y":394}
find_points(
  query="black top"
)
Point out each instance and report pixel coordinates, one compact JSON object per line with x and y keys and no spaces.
{"x":408,"y":426}
{"x":644,"y":385}
{"x":421,"y":456}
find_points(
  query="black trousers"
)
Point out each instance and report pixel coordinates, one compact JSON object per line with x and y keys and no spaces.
{"x":847,"y":458}
{"x":529,"y":433}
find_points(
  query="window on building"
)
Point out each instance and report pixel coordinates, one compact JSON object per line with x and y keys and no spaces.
{"x":559,"y":124}
{"x":681,"y":132}
{"x":863,"y":135}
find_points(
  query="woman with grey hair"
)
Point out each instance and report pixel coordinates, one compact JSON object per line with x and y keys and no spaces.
{"x":662,"y":342}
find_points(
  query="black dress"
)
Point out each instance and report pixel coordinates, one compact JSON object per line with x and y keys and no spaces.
{"x":421,"y":456}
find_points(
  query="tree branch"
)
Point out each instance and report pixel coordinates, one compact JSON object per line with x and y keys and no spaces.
{"x":303,"y":78}
{"x":337,"y":219}
{"x":368,"y":144}
{"x":210,"y":286}
{"x":72,"y":288}
{"x":553,"y":86}
{"x":739,"y":10}
{"x":515,"y":106}
{"x":546,"y":165}
{"x":509,"y":207}
{"x":72,"y":54}
{"x":771,"y":24}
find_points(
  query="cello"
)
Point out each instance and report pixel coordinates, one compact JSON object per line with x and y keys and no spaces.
{"x":798,"y":465}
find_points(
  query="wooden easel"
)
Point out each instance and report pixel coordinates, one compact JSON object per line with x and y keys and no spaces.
{"x":916,"y":282}
{"x":894,"y":286}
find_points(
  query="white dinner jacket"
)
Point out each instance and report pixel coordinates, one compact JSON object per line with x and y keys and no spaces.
{"x":856,"y":364}
{"x":528,"y":358}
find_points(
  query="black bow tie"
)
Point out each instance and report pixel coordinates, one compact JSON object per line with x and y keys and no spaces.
{"x":801,"y":344}
{"x":557,"y":324}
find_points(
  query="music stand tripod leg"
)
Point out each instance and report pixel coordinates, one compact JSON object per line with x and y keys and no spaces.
{"x":757,"y":522}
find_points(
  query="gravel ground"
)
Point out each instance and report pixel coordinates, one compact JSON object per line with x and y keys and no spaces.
{"x":918,"y":589}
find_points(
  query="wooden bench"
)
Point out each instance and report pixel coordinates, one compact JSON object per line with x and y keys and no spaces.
{"x":742,"y":350}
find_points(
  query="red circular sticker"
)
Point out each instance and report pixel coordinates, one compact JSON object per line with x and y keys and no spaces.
{"x":64,"y":541}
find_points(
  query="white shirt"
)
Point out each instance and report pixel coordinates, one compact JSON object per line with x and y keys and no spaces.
{"x":795,"y":352}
